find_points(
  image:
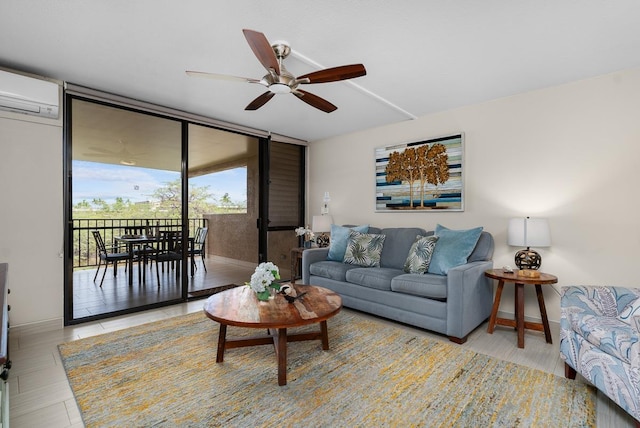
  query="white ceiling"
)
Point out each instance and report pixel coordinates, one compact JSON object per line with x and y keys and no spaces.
{"x":422,"y":56}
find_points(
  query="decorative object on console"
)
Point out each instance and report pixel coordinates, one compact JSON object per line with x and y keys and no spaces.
{"x":263,"y":280}
{"x":321,"y":224}
{"x":307,"y":236}
{"x":421,"y":176}
{"x":528,"y":232}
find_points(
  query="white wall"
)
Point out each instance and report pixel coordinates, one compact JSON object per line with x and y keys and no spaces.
{"x":31,"y":215}
{"x":569,"y":153}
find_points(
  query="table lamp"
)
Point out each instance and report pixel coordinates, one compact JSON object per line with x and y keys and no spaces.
{"x":528,"y":232}
{"x":321,"y":224}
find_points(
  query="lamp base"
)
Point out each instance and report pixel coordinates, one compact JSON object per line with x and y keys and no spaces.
{"x":322,"y":240}
{"x":528,"y":259}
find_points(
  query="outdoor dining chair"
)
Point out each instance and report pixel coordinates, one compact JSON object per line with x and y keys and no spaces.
{"x":143,"y":251}
{"x":112,"y":256}
{"x":198,"y":248}
{"x":169,"y":250}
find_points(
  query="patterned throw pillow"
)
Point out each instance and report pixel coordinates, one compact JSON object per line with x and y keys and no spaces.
{"x":339,"y":238}
{"x":364,"y":249}
{"x":420,"y":254}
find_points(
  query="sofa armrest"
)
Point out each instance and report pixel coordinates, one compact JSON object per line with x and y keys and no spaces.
{"x":469,"y":297}
{"x":309,"y":256}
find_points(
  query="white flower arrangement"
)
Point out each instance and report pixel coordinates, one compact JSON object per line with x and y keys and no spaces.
{"x":264,"y":278}
{"x":306,"y":232}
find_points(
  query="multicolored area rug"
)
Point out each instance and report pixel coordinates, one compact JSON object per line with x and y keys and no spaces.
{"x":164,"y":374}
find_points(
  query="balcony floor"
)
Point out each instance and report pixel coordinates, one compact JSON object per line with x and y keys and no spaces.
{"x":89,"y":299}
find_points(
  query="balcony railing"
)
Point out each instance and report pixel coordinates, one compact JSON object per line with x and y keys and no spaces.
{"x":85,"y":253}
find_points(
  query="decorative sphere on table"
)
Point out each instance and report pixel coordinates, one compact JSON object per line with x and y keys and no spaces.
{"x":322,"y":241}
{"x":528,"y":259}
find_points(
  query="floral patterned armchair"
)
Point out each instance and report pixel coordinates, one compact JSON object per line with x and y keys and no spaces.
{"x":600,"y":339}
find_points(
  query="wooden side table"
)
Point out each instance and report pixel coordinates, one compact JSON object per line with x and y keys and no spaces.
{"x":519,"y":323}
{"x":296,"y":258}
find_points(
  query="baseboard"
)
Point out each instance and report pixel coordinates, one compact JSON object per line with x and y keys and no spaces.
{"x":38,"y":327}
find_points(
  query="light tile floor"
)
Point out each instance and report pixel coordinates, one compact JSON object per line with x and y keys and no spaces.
{"x":40,"y":395}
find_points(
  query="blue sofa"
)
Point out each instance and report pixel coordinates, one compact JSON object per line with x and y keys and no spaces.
{"x":453,"y":304}
{"x":599,"y":338}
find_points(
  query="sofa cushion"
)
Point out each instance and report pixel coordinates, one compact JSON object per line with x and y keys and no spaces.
{"x":420,"y":254}
{"x":609,"y":334}
{"x":453,"y":248}
{"x":339,"y":238}
{"x":427,"y":285}
{"x":397,"y":243}
{"x":363,"y":249}
{"x":378,"y":278}
{"x":330,"y":269}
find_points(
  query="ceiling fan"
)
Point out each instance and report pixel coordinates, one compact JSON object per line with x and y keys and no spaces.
{"x":279,"y":81}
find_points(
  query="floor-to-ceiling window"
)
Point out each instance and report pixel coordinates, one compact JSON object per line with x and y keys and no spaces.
{"x":143,"y":182}
{"x":223,"y":184}
{"x":125,"y":183}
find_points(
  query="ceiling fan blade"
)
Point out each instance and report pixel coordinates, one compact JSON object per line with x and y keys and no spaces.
{"x":315,"y":101}
{"x":262,"y":49}
{"x":216,"y":76}
{"x":260,"y":101}
{"x":336,"y":73}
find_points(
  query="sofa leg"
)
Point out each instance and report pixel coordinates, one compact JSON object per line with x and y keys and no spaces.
{"x":569,"y":372}
{"x":458,"y":340}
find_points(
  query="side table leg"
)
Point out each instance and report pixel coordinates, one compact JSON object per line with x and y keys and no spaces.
{"x":282,"y":356}
{"x":520,"y":314}
{"x":496,"y":305}
{"x":543,"y":313}
{"x":222,"y":341}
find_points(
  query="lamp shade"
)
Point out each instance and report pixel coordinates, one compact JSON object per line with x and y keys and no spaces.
{"x":321,"y":223}
{"x":529,"y":232}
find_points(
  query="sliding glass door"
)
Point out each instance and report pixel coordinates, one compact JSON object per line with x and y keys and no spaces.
{"x":126,"y":187}
{"x":223,"y":195}
{"x":160,"y":209}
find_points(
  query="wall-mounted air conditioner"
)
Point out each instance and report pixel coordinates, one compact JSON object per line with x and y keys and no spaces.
{"x":27,"y":95}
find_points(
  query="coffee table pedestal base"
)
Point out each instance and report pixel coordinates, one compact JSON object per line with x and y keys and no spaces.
{"x":278,"y":338}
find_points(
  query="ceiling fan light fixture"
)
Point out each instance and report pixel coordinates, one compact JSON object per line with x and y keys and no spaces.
{"x":279,"y":88}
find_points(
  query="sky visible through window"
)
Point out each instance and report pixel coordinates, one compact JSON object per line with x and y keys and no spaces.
{"x":92,"y":180}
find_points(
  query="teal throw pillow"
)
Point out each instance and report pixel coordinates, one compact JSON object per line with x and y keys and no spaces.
{"x":339,"y":238}
{"x":420,"y":254}
{"x":364,"y":249}
{"x":453,"y":248}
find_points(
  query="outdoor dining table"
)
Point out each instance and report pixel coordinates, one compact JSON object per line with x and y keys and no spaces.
{"x":135,"y":240}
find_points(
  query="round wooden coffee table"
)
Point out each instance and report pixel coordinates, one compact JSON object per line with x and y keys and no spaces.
{"x":240,"y":307}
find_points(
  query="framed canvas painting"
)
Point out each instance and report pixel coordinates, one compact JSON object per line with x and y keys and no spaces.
{"x":421,"y":176}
